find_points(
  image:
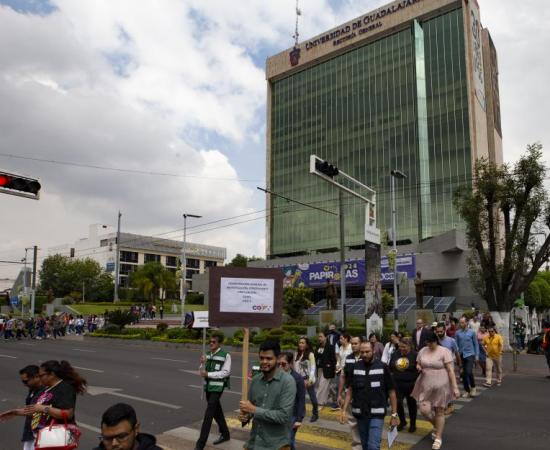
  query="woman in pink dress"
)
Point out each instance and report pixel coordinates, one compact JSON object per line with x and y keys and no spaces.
{"x":436,"y":386}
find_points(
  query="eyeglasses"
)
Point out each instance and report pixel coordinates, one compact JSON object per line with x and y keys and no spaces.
{"x":119,"y":437}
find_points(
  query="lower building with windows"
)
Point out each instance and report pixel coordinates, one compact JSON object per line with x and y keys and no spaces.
{"x":136,"y":250}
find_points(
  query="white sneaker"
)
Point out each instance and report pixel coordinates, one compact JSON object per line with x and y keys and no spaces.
{"x":473,"y":392}
{"x":465,"y":395}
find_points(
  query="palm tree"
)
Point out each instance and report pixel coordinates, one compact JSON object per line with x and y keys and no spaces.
{"x":153,"y":278}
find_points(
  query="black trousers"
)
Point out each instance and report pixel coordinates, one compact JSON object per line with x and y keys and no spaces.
{"x":213,"y":412}
{"x":411,"y":404}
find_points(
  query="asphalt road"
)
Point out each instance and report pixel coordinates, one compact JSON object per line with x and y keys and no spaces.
{"x":159,"y":382}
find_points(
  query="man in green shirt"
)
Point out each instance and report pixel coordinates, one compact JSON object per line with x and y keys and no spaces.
{"x":270,"y":404}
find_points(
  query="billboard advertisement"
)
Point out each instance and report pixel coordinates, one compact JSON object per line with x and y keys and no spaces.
{"x":316,"y":275}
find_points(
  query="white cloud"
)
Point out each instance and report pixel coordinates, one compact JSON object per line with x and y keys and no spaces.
{"x":133,"y":84}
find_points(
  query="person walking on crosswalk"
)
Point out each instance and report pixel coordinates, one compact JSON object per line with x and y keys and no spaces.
{"x":216,"y":370}
{"x":468,"y":347}
{"x":371,"y":387}
{"x":345,"y":384}
{"x":436,"y":385}
{"x":493,"y":345}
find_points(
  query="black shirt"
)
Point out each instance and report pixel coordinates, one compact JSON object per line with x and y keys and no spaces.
{"x":403,"y":369}
{"x":61,"y":396}
{"x":32,"y":396}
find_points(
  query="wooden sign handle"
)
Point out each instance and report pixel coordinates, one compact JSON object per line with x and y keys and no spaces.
{"x":246,"y":340}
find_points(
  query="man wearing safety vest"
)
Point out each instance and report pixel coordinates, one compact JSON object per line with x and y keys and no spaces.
{"x":371,"y":387}
{"x":215,"y":369}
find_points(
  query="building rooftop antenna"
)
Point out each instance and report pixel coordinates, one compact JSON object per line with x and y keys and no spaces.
{"x":296,"y":34}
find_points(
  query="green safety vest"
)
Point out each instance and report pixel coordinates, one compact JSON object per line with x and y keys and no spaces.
{"x":214,"y":363}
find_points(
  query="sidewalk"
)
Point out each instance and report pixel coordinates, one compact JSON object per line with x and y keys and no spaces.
{"x":513,"y":416}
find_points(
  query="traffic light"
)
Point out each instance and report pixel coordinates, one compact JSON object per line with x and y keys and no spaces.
{"x":324,"y":168}
{"x":19,"y":185}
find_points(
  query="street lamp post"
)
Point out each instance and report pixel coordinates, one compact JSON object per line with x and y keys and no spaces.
{"x":395,"y":174}
{"x":183,"y":285}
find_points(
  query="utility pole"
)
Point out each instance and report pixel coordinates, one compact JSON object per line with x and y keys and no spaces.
{"x":183,"y":285}
{"x":33,"y":293}
{"x":395,"y":174}
{"x":117,"y":257}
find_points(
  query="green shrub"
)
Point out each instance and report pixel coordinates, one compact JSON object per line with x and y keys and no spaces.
{"x":218,"y":333}
{"x":296,"y":329}
{"x":194,"y":298}
{"x":162,"y":327}
{"x":356,"y":331}
{"x":296,"y":301}
{"x":120,"y":317}
{"x":111,"y":328}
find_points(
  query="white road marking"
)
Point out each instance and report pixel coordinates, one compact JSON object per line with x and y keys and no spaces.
{"x":89,"y":427}
{"x":97,"y":390}
{"x":84,"y":350}
{"x":89,"y":370}
{"x":8,"y":356}
{"x":168,"y":359}
{"x":194,"y":386}
{"x":146,"y":400}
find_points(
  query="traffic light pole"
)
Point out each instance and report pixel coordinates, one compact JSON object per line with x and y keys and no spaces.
{"x":327,"y":172}
{"x":33,"y":293}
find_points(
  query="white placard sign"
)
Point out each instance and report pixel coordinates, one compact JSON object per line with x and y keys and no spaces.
{"x":247,"y":295}
{"x":201,"y":319}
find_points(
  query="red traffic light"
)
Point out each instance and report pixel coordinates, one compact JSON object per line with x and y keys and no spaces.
{"x":19,"y":185}
{"x":5,"y":181}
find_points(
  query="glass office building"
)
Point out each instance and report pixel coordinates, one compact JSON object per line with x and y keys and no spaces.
{"x":394,"y":89}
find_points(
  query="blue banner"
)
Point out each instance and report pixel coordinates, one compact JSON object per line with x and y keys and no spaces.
{"x":317,"y":275}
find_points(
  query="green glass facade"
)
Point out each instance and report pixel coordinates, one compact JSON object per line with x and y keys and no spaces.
{"x":399,"y":102}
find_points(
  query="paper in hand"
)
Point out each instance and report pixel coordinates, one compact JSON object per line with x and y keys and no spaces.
{"x":392,"y":434}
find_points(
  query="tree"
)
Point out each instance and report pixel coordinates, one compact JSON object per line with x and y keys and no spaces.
{"x":504,"y":210}
{"x":296,"y":301}
{"x":240,"y":260}
{"x":537,"y":294}
{"x":62,"y":276}
{"x":152,"y":278}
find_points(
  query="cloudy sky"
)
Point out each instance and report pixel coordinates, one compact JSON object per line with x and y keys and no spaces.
{"x":177,"y":87}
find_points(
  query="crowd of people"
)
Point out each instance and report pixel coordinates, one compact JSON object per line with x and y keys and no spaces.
{"x":360,"y":377}
{"x":49,"y":327}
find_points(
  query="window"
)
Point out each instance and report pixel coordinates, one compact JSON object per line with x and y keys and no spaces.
{"x":126,"y":269}
{"x":210,"y":263}
{"x":190,"y":273}
{"x":149,"y":257}
{"x":104,"y":242}
{"x":194,"y":263}
{"x":172,"y":261}
{"x":131,"y":257}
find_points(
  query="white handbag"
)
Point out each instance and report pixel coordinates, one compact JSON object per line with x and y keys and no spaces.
{"x":58,"y":436}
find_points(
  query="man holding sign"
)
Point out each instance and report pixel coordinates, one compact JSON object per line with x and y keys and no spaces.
{"x":270,"y":404}
{"x":215,"y":369}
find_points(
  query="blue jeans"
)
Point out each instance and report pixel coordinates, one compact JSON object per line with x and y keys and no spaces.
{"x":313,"y":397}
{"x":468,"y":375}
{"x":293,"y":433}
{"x":370,"y":431}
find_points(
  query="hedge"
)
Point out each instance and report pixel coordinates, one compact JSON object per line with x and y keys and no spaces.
{"x":117,"y":336}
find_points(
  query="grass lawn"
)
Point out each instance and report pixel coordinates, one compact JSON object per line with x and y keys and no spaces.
{"x":87,"y":309}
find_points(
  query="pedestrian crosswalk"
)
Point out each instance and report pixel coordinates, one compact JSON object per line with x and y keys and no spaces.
{"x":326,"y":433}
